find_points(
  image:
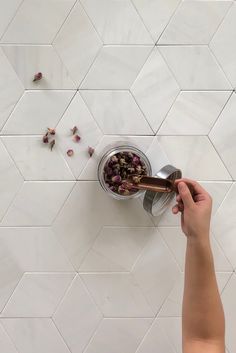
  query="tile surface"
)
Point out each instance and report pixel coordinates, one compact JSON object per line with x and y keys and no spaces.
{"x":81,"y":272}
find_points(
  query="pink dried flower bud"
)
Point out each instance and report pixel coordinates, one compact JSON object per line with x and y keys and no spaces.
{"x":51,"y":131}
{"x":77,"y":138}
{"x":116,"y":179}
{"x":91,"y":151}
{"x":45,"y":138}
{"x":74,"y":130}
{"x":114,"y":159}
{"x":135,"y":160}
{"x":70,"y":153}
{"x":38,"y":76}
{"x":52,"y":144}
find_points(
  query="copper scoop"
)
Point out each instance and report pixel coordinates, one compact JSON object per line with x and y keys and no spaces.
{"x":155,"y":184}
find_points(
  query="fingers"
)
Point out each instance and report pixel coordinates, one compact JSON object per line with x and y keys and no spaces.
{"x":185,"y":194}
{"x":197,"y":188}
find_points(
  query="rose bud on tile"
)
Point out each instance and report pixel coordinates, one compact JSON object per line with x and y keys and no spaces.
{"x":74,"y":130}
{"x":70,"y":153}
{"x":91,"y":151}
{"x":52,"y":144}
{"x":51,"y":131}
{"x":38,"y":76}
{"x":77,"y":138}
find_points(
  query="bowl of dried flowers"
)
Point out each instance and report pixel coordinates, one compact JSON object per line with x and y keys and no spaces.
{"x":117,"y":165}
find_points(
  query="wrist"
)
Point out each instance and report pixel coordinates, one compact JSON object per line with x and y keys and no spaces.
{"x":202,"y":240}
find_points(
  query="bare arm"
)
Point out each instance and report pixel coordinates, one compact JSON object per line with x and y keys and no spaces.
{"x":203,"y":316}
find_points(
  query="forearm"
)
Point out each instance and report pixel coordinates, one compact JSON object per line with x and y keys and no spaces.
{"x":203,"y":316}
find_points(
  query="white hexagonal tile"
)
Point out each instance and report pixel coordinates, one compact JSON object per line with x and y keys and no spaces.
{"x":195,"y":156}
{"x":117,"y":22}
{"x":30,"y":17}
{"x":78,"y":115}
{"x":38,"y":294}
{"x":116,"y":249}
{"x":119,"y":335}
{"x":117,"y":295}
{"x":29,"y":60}
{"x":156,"y":271}
{"x":155,"y":89}
{"x":116,"y":112}
{"x":37,"y":203}
{"x":176,"y":241}
{"x":77,"y":43}
{"x":190,"y":23}
{"x":11,"y":88}
{"x":156,"y":14}
{"x":36,"y":111}
{"x":107,"y":142}
{"x":223,"y":134}
{"x":222,"y":47}
{"x":34,"y":335}
{"x":115,"y":67}
{"x":195,"y":67}
{"x":82,"y":217}
{"x":194,"y":113}
{"x":36,"y":160}
{"x":77,"y":317}
{"x":10,"y":180}
{"x":224,"y":223}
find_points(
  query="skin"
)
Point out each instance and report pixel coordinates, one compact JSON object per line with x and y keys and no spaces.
{"x":203,"y":323}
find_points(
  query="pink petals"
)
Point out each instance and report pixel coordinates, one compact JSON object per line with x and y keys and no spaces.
{"x":70,"y":153}
{"x":76,"y":138}
{"x":38,"y":77}
{"x":91,"y":151}
{"x":52,"y":144}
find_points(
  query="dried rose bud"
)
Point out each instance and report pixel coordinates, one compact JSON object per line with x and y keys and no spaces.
{"x":136,"y":161}
{"x":139,"y":169}
{"x":122,"y":161}
{"x":114,"y":159}
{"x":77,"y":138}
{"x":91,"y":151}
{"x":74,"y":130}
{"x":116,"y":179}
{"x":52,"y":144}
{"x":51,"y":131}
{"x":70,"y":153}
{"x":45,"y":138}
{"x":38,"y":76}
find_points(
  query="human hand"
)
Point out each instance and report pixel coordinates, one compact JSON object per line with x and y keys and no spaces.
{"x":195,"y":207}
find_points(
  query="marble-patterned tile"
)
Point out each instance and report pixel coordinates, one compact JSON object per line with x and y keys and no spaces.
{"x":156,"y":338}
{"x":229,"y":303}
{"x":30,"y":17}
{"x":223,"y":135}
{"x":172,"y":328}
{"x":11,"y":88}
{"x":195,"y":156}
{"x":155,"y":89}
{"x":29,"y":60}
{"x":38,"y":294}
{"x":10,"y":180}
{"x":172,"y":307}
{"x":224,"y":223}
{"x":222,"y":47}
{"x":119,"y":335}
{"x":78,"y":115}
{"x":194,"y":112}
{"x":6,"y":344}
{"x":116,"y":112}
{"x":7,"y":12}
{"x":117,"y":22}
{"x":36,"y":111}
{"x":43,"y":253}
{"x":34,"y":335}
{"x":116,"y":249}
{"x":176,"y":241}
{"x":36,"y":160}
{"x":107,"y":142}
{"x":37,"y":203}
{"x":77,"y":43}
{"x":190,"y":23}
{"x":156,"y":14}
{"x":115,"y":67}
{"x":156,"y":271}
{"x":77,"y":317}
{"x":82,"y":217}
{"x":195,"y":67}
{"x":117,"y":295}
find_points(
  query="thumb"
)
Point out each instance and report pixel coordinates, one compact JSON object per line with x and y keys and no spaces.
{"x":185,"y":194}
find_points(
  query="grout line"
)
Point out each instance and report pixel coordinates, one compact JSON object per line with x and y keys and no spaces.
{"x":143,"y":22}
{"x":13,"y":292}
{"x":9,"y":337}
{"x":13,"y":17}
{"x":221,"y":22}
{"x":59,"y":332}
{"x":90,"y":20}
{"x":63,"y":204}
{"x":64,"y":295}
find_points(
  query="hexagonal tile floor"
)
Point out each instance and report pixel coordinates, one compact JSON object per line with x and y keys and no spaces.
{"x":81,"y":272}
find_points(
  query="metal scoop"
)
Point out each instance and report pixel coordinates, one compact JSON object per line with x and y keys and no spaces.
{"x":152,"y":183}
